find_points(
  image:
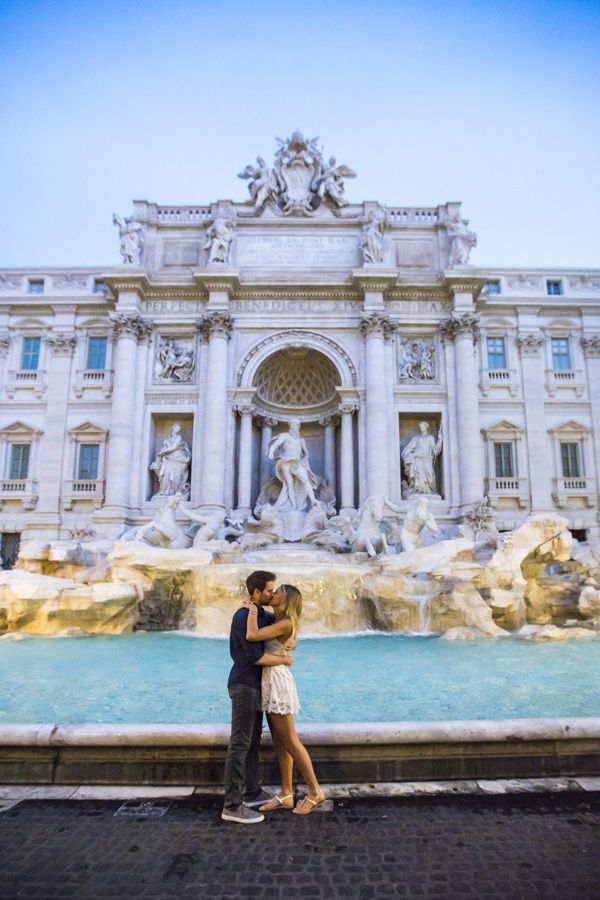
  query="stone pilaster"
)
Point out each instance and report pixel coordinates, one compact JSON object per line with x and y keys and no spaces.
{"x":376,"y":327}
{"x":61,"y":346}
{"x":267,"y":426}
{"x":217,"y":327}
{"x":243,"y":407}
{"x":463,"y":330}
{"x":329,"y":424}
{"x":590,"y":345}
{"x":128,"y":330}
{"x":531,"y":350}
{"x":347,"y":408}
{"x":4,"y":348}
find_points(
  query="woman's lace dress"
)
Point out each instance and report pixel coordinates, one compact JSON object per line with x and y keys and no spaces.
{"x":278,"y":688}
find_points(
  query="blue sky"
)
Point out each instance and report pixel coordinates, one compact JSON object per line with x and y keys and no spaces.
{"x":492,"y":103}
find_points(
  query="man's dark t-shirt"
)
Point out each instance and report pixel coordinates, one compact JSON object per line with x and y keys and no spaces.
{"x":245,"y":654}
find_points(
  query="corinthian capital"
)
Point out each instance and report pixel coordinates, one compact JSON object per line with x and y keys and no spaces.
{"x":590,"y":344}
{"x":130,"y":323}
{"x":61,"y":344}
{"x":216,"y":323}
{"x":456,"y":325}
{"x":530,"y":344}
{"x":377,"y":323}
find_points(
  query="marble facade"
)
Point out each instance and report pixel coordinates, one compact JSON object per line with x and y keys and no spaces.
{"x":360,"y":320}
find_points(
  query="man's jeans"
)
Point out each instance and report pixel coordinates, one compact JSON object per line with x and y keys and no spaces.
{"x":241,"y":766}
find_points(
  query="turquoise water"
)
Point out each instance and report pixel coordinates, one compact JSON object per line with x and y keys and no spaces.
{"x":170,"y":678}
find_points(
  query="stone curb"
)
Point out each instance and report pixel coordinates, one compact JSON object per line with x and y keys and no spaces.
{"x":322,"y":734}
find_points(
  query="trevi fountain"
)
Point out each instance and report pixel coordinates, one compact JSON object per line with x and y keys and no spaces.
{"x":421,"y":577}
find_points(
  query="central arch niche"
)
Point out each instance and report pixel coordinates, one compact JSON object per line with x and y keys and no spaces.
{"x":297,"y":381}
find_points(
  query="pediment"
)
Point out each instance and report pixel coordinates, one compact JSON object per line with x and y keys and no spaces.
{"x":570,"y":428}
{"x":20,"y":429}
{"x":87,"y":429}
{"x":504,"y":429}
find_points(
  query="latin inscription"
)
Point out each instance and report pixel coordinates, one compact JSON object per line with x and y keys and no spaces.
{"x":308,"y":306}
{"x":297,"y":250}
{"x":158,"y":306}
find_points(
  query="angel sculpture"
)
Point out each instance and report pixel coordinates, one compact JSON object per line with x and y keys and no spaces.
{"x":330,"y":184}
{"x":261,"y":184}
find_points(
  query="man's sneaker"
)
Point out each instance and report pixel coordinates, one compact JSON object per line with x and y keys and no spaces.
{"x":242,"y":814}
{"x":257,"y":799}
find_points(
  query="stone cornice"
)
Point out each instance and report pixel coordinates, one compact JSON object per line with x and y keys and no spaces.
{"x":218,"y":277}
{"x":126,"y":279}
{"x":374,"y":278}
{"x":463,"y":283}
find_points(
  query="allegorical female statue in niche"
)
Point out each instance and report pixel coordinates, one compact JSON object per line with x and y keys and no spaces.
{"x":419,"y":457}
{"x":172,"y":465}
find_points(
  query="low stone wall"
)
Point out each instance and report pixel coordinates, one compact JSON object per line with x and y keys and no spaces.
{"x":354,"y":752}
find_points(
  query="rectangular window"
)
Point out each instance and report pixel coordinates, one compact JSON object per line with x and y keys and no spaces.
{"x":35,"y":286}
{"x":19,"y":461}
{"x":561,"y":356}
{"x":493,"y":287}
{"x":503,"y":458}
{"x":554,"y":288}
{"x":99,"y":286}
{"x":88,"y":461}
{"x":571,"y":460}
{"x":96,"y":353}
{"x":31,"y":353}
{"x":496,"y":353}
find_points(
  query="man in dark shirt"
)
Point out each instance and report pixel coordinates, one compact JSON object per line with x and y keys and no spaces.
{"x":243,"y":790}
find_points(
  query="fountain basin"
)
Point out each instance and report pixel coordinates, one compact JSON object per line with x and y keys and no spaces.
{"x":535,"y":713}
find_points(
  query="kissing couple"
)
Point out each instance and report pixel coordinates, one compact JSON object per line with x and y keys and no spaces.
{"x":261,"y":681}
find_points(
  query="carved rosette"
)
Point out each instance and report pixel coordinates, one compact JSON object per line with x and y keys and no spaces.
{"x":456,"y":326}
{"x":4,"y":345}
{"x":591,"y":346}
{"x":377,"y":323}
{"x":216,"y":323}
{"x":61,"y":344}
{"x":130,"y":324}
{"x":530,"y":344}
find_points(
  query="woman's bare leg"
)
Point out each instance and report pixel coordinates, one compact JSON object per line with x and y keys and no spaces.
{"x":286,"y":767}
{"x":284,"y":733}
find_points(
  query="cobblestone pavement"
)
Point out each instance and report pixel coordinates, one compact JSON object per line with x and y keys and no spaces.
{"x":519,"y":846}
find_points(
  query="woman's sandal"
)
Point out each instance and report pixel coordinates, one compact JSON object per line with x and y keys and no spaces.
{"x":266,"y":807}
{"x":299,"y":810}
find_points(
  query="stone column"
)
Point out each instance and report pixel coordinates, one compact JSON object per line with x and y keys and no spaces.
{"x":463,"y":330}
{"x":590,"y":344}
{"x":329,"y":424}
{"x":4,"y":348}
{"x":244,"y":492}
{"x":218,"y":325}
{"x":375,"y":327}
{"x":347,"y":501}
{"x":50,"y":471}
{"x":128,"y":329}
{"x":265,"y":439}
{"x":531,"y":346}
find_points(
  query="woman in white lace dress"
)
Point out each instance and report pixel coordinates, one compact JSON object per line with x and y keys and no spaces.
{"x":280,"y":700}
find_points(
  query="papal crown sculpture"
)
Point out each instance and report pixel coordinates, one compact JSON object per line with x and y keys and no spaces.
{"x":299,"y":181}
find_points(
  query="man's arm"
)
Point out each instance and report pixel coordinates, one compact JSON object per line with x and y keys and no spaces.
{"x":273,"y":659}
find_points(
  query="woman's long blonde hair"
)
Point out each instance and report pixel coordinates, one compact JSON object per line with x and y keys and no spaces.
{"x":291,"y":609}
